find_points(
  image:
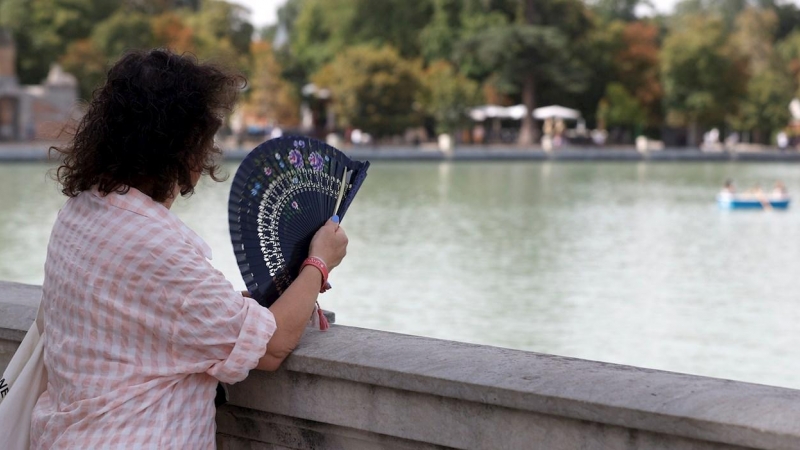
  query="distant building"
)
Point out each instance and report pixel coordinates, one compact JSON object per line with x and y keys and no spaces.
{"x":33,"y":112}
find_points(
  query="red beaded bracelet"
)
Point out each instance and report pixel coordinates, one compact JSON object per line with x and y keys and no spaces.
{"x":320,"y":265}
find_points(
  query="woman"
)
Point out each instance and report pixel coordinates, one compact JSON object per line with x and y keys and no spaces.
{"x":139,"y":326}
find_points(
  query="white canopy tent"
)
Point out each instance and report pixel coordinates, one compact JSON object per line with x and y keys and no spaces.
{"x":484,"y":112}
{"x":517,"y":112}
{"x":794,"y":109}
{"x":556,"y":112}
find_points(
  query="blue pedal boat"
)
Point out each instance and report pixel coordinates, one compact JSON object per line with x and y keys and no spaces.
{"x":736,"y":202}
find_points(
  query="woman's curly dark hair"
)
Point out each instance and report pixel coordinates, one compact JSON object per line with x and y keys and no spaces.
{"x":150,"y":126}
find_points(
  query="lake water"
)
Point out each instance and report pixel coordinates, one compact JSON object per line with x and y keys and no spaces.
{"x":628,"y":263}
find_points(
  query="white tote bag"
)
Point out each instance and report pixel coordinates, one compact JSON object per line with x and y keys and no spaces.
{"x":23,"y":382}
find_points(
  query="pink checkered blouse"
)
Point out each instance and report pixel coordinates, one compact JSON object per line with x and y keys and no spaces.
{"x":139,"y":327}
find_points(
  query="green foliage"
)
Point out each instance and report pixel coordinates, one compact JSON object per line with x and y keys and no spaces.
{"x":271,"y":97}
{"x":511,"y":48}
{"x":788,"y":53}
{"x":43,"y":29}
{"x":325,"y":28}
{"x":447,"y":95}
{"x":703,"y":76}
{"x":769,"y":89}
{"x":765,"y":106}
{"x":619,"y":9}
{"x":713,"y":62}
{"x":85,"y":35}
{"x":439,"y":37}
{"x":125,"y":30}
{"x":522,"y":55}
{"x":514,"y":51}
{"x":619,"y":108}
{"x":723,"y":10}
{"x":316,"y":38}
{"x":288,"y":13}
{"x":373,"y":89}
{"x":87,"y":63}
{"x":754,"y":35}
{"x":788,"y":18}
{"x":221,"y":28}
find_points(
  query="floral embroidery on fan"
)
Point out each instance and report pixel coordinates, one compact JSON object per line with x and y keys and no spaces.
{"x":296,"y":158}
{"x":256,"y":188}
{"x":327,"y":158}
{"x":295,"y":205}
{"x":301,"y":144}
{"x":283,"y":166}
{"x":315,"y":159}
{"x":277,"y":156}
{"x":267,"y":171}
{"x":295,"y":180}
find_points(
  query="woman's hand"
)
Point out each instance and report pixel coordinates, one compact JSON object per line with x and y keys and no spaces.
{"x":295,"y":305}
{"x":330,"y":243}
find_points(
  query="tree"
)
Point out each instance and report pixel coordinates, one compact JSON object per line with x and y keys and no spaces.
{"x":125,"y":30}
{"x":271,"y":97}
{"x":764,"y":107}
{"x":702,"y":74}
{"x":157,"y":7}
{"x":526,"y":53}
{"x":288,"y":13}
{"x":624,"y":10}
{"x":441,"y":34}
{"x":218,"y":22}
{"x":171,"y":30}
{"x":390,"y":22}
{"x":753,"y":37}
{"x":325,"y":28}
{"x":788,"y":51}
{"x":596,"y":50}
{"x":87,"y":63}
{"x":619,"y":108}
{"x":447,"y":95}
{"x":723,"y":10}
{"x":43,"y":29}
{"x":222,"y":32}
{"x":373,"y":89}
{"x":788,"y":18}
{"x":636,"y":65}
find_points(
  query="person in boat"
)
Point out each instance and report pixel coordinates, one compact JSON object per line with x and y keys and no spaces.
{"x":755,"y":191}
{"x":779,"y":191}
{"x":728,"y":188}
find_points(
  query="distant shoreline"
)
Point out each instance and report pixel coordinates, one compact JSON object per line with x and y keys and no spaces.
{"x":31,"y":152}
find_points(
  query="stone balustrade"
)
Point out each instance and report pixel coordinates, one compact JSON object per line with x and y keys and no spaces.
{"x":353,"y":388}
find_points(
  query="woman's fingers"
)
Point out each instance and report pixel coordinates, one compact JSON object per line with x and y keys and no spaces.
{"x":330,"y":243}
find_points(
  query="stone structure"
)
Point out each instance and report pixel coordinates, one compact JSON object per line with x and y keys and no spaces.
{"x":354,"y":389}
{"x":33,"y":112}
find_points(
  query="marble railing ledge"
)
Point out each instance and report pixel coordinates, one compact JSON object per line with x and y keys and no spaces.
{"x":358,"y":385}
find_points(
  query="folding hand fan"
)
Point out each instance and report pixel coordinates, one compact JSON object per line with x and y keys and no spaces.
{"x":283,"y":192}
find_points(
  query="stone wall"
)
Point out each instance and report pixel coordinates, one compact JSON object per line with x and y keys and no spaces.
{"x":18,"y":304}
{"x":353,"y":388}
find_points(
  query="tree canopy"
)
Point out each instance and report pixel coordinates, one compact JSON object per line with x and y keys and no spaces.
{"x":733,"y":64}
{"x":373,"y":89}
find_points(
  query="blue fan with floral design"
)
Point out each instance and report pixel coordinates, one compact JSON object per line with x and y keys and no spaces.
{"x":283,"y":192}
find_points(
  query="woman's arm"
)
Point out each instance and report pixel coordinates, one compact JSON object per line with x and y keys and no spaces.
{"x":292,"y":311}
{"x":293,"y":308}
